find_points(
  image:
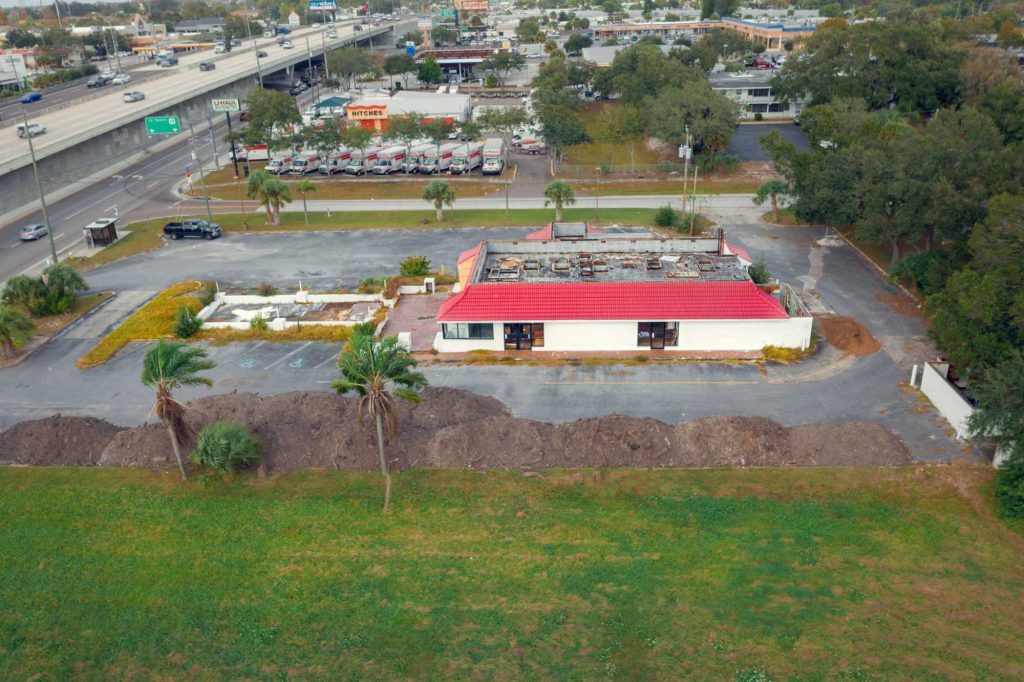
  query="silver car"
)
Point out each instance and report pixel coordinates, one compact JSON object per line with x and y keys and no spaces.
{"x":30,"y":233}
{"x":133,"y":96}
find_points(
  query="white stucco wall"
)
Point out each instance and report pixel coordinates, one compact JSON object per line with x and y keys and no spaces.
{"x":946,"y":399}
{"x":618,"y":335}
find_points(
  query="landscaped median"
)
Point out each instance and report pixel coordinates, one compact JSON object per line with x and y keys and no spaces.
{"x":148,"y":234}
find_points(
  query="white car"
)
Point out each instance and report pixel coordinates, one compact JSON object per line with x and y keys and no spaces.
{"x":121,"y":79}
{"x":31,"y":130}
{"x":133,"y":96}
{"x":287,"y":45}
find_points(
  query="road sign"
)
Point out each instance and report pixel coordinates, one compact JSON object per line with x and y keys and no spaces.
{"x":329,"y":5}
{"x":221,"y":105}
{"x":163,"y":125}
{"x":447,"y":13}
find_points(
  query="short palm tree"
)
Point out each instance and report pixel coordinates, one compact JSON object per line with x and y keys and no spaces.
{"x":270,"y":192}
{"x":305,"y":186}
{"x":560,"y":194}
{"x":441,"y":194}
{"x":370,"y":368}
{"x":771,"y":190}
{"x":168,"y":366}
{"x":15,"y":329}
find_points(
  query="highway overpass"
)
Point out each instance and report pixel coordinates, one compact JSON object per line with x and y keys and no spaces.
{"x":100,"y":133}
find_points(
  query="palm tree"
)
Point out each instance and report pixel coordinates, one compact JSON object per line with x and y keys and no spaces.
{"x":440,"y":193}
{"x":15,"y":329}
{"x":560,"y":194}
{"x":369,"y":367}
{"x":270,"y":192}
{"x":305,"y":186}
{"x":169,"y":365}
{"x":771,"y":190}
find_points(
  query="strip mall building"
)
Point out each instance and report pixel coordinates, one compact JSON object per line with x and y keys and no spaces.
{"x":773,"y":36}
{"x":570,"y":288}
{"x":374,"y":111}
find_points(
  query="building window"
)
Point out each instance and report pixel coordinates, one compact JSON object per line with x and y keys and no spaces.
{"x":524,"y":336}
{"x":657,"y":335}
{"x":760,"y":92}
{"x":467,"y":330}
{"x":757,"y":108}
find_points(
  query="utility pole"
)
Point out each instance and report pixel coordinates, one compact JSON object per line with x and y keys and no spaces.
{"x":231,"y":138}
{"x":60,"y":20}
{"x":686,"y":167}
{"x":597,"y":215}
{"x":213,"y":144}
{"x":113,"y":43}
{"x":199,"y":166}
{"x":39,"y":187}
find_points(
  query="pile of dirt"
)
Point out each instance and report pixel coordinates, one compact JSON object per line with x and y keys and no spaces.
{"x":902,"y":304}
{"x":57,"y":441}
{"x":848,"y":335}
{"x":451,"y":428}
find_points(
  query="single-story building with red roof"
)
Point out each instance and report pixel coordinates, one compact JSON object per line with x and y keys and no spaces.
{"x":618,"y":293}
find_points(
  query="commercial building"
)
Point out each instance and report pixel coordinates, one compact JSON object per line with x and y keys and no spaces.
{"x":753,"y":91}
{"x":16,"y":65}
{"x":373,"y":111}
{"x":773,"y":36}
{"x":600,"y":293}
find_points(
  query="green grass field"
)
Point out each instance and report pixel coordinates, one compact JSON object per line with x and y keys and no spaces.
{"x":805,"y":574}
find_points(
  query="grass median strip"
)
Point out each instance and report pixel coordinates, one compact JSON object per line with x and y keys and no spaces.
{"x":148,"y":234}
{"x":803,"y":573}
{"x":152,"y":321}
{"x":345,"y":188}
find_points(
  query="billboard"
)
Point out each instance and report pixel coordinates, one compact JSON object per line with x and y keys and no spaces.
{"x":477,"y":6}
{"x":323,"y":5}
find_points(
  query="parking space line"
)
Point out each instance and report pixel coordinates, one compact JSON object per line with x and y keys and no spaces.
{"x":330,"y":359}
{"x":277,"y":362}
{"x":649,"y":383}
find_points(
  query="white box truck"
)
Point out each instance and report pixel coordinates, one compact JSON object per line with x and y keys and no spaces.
{"x":466,"y":158}
{"x":361,"y":162}
{"x":438,"y":159}
{"x":389,"y":160}
{"x":335,"y":162}
{"x":415,"y":156}
{"x":494,"y":156}
{"x":279,"y":165}
{"x":305,"y":163}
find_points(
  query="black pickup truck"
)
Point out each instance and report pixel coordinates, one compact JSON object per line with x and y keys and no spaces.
{"x":192,"y":227}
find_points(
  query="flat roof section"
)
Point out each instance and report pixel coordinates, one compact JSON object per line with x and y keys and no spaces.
{"x":699,"y":259}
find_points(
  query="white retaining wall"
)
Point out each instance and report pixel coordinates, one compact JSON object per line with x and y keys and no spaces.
{"x":945,"y":397}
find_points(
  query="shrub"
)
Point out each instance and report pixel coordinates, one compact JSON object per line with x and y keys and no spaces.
{"x":24,"y":291}
{"x":209,"y":293}
{"x":371,"y":285}
{"x":186,"y":322}
{"x":1010,"y":486}
{"x":491,"y":81}
{"x":752,"y":675}
{"x":759,"y":273}
{"x":258,"y":323}
{"x":266,"y":289}
{"x":364,"y":329}
{"x":226,"y":446}
{"x":605,"y":169}
{"x":415,"y":266}
{"x":782,"y":354}
{"x":758,"y":116}
{"x":666,"y":216}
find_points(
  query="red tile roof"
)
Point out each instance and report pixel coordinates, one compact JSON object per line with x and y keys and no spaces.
{"x":739,"y":251}
{"x":469,"y":253}
{"x":536,"y":302}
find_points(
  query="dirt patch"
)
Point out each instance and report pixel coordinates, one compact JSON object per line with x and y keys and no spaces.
{"x":57,"y":441}
{"x":456,"y":429}
{"x":848,"y":335}
{"x":902,"y":304}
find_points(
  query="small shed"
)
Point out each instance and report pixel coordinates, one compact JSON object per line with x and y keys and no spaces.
{"x":101,"y":232}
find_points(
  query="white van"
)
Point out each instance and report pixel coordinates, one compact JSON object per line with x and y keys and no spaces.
{"x":279,"y":165}
{"x":305,"y":162}
{"x":335,"y":162}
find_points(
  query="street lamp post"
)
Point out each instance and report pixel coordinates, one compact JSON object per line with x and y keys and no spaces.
{"x":199,"y":166}
{"x":39,"y":187}
{"x":113,"y":44}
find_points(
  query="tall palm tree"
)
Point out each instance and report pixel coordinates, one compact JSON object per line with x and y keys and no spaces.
{"x":167,"y":366}
{"x":270,"y":192}
{"x":771,"y":190}
{"x":440,"y":193}
{"x":560,"y":194}
{"x":305,"y":186}
{"x":370,"y":368}
{"x":15,"y":329}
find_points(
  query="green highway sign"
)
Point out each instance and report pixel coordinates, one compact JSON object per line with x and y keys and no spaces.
{"x":163,"y":125}
{"x":447,"y":13}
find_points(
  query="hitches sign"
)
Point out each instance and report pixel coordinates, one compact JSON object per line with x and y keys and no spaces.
{"x":221,"y":105}
{"x":370,"y":112}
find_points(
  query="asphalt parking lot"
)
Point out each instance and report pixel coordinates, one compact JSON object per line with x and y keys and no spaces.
{"x":746,"y":141}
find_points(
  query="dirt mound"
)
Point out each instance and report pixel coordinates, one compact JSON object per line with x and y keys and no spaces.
{"x":902,"y":304}
{"x":453,"y":428}
{"x":848,"y":335}
{"x":57,"y":441}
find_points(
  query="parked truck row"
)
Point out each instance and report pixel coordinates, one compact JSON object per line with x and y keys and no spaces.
{"x":425,"y":158}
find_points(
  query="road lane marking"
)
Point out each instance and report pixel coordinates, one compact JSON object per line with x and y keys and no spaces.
{"x":60,"y":236}
{"x":650,"y":383}
{"x":282,"y":359}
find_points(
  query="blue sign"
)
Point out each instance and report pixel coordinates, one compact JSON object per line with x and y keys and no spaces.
{"x":330,"y":5}
{"x":410,"y":50}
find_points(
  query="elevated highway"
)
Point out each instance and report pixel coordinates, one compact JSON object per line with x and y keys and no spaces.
{"x":99,"y":133}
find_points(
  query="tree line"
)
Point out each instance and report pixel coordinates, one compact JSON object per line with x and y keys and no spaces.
{"x":917,"y":142}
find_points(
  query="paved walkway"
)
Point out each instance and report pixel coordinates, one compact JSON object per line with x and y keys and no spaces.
{"x":416,"y":313}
